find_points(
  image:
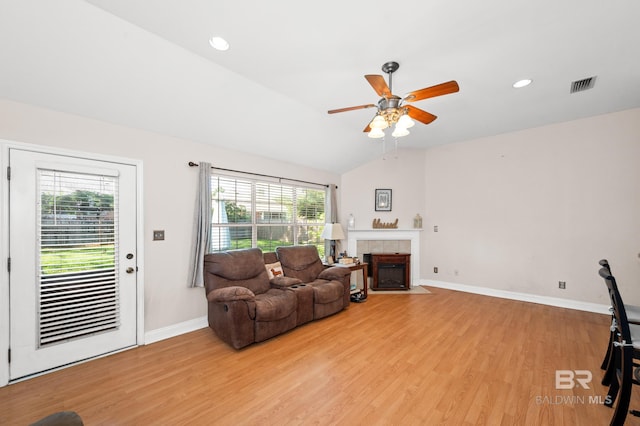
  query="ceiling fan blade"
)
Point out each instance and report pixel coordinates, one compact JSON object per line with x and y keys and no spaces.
{"x":420,"y":115}
{"x":433,"y":91}
{"x":378,"y":84}
{"x":333,"y":111}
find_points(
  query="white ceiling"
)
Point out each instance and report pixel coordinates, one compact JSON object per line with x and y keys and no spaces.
{"x":147,"y":64}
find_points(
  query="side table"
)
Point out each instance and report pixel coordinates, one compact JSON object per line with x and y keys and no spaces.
{"x":358,"y":267}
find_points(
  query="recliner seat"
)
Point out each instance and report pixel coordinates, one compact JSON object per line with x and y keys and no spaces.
{"x":246,"y":307}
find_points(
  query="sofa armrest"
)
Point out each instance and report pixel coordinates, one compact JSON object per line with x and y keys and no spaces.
{"x":284,"y":282}
{"x":230,"y":294}
{"x":334,"y":273}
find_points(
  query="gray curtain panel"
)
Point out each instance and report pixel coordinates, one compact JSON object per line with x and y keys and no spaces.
{"x":333,"y":199}
{"x":331,"y":215}
{"x":201,"y":227}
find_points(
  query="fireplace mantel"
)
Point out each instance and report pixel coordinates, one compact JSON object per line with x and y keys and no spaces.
{"x":413,"y":235}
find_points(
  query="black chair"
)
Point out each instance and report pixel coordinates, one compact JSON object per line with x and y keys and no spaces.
{"x":633,"y":315}
{"x":623,"y":352}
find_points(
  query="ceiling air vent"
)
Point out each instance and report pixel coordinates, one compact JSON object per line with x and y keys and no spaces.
{"x":582,"y":85}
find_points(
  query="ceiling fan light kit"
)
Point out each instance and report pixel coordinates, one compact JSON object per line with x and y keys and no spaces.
{"x":376,"y":133}
{"x":378,"y":122}
{"x":405,"y":122}
{"x":392,"y":109}
{"x":399,"y":132}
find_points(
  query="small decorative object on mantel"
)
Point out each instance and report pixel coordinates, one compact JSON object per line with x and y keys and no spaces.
{"x":351,"y":224}
{"x":378,"y":224}
{"x":417,"y":221}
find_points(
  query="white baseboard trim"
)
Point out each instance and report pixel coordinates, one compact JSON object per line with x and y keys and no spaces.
{"x":198,"y":323}
{"x":523,"y":297}
{"x":175,"y":330}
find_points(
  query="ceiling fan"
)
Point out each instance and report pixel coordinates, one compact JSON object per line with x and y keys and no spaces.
{"x":392,"y":109}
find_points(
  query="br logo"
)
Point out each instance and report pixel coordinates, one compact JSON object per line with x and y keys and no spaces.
{"x":569,"y":379}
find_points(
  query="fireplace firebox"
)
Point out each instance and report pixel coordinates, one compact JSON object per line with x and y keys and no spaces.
{"x":391,"y":271}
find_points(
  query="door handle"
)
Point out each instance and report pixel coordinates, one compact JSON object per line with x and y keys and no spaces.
{"x":130,"y":270}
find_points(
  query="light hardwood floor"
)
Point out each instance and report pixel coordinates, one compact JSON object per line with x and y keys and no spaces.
{"x":445,"y":358}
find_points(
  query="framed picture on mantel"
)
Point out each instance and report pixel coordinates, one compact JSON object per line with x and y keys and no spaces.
{"x":383,"y":200}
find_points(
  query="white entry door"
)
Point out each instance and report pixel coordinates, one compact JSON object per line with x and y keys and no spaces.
{"x":72,"y":245}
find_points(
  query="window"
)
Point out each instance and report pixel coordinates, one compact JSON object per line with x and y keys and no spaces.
{"x":250,"y":213}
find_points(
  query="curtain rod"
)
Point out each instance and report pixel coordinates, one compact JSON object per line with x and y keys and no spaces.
{"x":192,"y":164}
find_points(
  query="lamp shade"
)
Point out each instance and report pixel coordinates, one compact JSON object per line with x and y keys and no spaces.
{"x":379,"y":123}
{"x":332,"y":231}
{"x":376,"y":133}
{"x":399,"y":132}
{"x":405,"y":121}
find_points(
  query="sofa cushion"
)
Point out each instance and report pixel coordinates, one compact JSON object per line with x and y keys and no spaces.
{"x":244,"y":268}
{"x":275,"y":304}
{"x":302,"y":262}
{"x":270,"y":257}
{"x":284,"y":282}
{"x":274,"y":270}
{"x":327,"y":291}
{"x":335,"y":273}
{"x":230,"y":294}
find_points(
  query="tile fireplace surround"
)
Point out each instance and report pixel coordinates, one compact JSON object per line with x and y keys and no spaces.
{"x":360,"y":241}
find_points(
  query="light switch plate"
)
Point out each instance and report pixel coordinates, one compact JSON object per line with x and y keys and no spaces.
{"x":158,"y":235}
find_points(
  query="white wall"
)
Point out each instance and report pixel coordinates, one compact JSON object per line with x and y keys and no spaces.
{"x":524,"y":210}
{"x":403,"y":174}
{"x":516,"y":212}
{"x":169,"y":192}
{"x":521,"y":211}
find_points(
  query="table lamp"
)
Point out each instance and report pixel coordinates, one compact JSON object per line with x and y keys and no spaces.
{"x":333,"y":232}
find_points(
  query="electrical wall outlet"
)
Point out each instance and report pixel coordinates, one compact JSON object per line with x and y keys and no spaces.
{"x":158,"y":235}
{"x":435,"y":269}
{"x":435,"y":228}
{"x":562,"y":285}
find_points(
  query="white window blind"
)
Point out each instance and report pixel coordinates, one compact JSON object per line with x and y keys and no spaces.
{"x":310,"y":216}
{"x":77,"y":228}
{"x":255,"y":213}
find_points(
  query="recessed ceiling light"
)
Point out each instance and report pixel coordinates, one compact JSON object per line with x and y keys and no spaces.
{"x":219,"y":43}
{"x":522,"y":83}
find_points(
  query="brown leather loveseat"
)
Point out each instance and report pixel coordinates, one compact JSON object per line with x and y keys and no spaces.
{"x":245,"y":306}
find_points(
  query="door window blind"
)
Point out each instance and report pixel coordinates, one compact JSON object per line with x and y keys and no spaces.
{"x":78,"y":255}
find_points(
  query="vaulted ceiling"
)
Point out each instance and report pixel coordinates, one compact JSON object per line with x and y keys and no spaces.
{"x":147,"y":64}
